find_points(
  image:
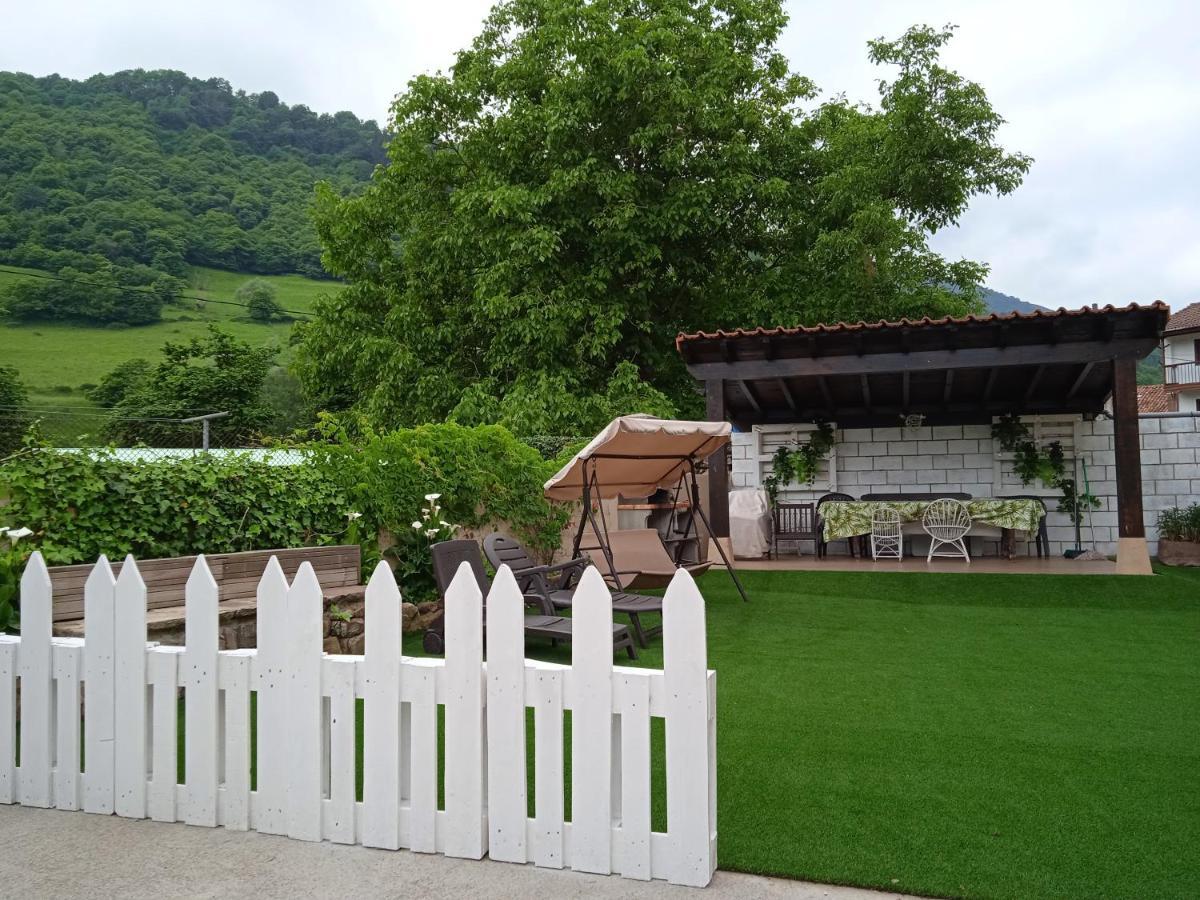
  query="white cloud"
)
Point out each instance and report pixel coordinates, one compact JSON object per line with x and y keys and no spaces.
{"x":1101,"y":94}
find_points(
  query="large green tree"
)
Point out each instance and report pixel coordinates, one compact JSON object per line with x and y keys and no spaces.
{"x":216,"y":373}
{"x":593,"y":176}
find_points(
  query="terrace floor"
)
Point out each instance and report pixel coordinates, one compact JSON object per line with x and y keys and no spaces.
{"x":989,"y":565}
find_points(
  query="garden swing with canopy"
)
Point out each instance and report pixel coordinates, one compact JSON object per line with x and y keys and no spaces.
{"x":638,"y":455}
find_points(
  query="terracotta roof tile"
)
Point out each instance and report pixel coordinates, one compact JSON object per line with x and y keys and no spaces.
{"x":1154,"y":398}
{"x":1187,"y":319}
{"x":917,"y":323}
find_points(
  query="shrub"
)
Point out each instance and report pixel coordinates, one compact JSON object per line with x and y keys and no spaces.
{"x":81,"y":505}
{"x":1179,"y":523}
{"x":13,"y":416}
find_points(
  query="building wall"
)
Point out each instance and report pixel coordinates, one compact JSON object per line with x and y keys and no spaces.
{"x":964,"y":458}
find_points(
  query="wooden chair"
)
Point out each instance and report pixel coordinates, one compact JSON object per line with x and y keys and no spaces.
{"x":449,"y":555}
{"x":556,"y":584}
{"x":822,"y":546}
{"x":793,"y":522}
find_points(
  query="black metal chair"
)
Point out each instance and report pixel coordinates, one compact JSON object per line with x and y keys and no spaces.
{"x":822,"y":545}
{"x":793,"y":522}
{"x":449,"y":555}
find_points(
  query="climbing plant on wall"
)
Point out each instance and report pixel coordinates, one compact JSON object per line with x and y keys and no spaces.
{"x":798,"y":463}
{"x":1045,"y":464}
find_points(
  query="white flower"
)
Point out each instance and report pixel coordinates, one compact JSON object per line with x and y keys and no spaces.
{"x":15,"y":534}
{"x":432,"y":497}
{"x":417,"y":525}
{"x":425,"y":514}
{"x":431,"y":532}
{"x":353,"y":515}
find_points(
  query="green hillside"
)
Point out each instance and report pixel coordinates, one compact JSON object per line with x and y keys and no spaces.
{"x":56,"y":360}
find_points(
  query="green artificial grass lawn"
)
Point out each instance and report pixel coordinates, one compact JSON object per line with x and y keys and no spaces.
{"x":1006,"y":736}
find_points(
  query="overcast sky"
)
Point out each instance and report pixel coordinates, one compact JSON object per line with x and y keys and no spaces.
{"x":1104,"y":95}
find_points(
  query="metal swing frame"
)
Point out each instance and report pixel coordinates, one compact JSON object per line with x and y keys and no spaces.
{"x":687,"y":476}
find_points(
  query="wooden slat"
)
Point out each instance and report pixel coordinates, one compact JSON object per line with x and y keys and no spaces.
{"x":339,"y":812}
{"x":304,"y":733}
{"x":129,"y":693}
{"x":200,"y":680}
{"x":37,"y":677}
{"x":547,"y":699}
{"x":591,"y":726}
{"x":420,"y":680}
{"x":465,"y":835}
{"x":98,"y":687}
{"x":234,"y":668}
{"x":163,"y":671}
{"x":271,"y":683}
{"x":506,"y":787}
{"x":9,"y":645}
{"x":68,"y":672}
{"x":381,"y":712}
{"x":634,"y":698}
{"x":685,"y":674}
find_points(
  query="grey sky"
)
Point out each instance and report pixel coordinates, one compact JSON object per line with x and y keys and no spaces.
{"x":1104,"y":95}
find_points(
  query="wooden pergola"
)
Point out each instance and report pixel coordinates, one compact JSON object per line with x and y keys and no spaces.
{"x":949,"y":371}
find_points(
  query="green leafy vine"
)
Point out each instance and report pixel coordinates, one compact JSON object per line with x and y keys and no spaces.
{"x":799,"y":463}
{"x":1048,"y":465}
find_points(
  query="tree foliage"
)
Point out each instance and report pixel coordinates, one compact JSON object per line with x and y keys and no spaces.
{"x":593,"y":177}
{"x":14,"y":417}
{"x":135,"y":175}
{"x":258,"y":295}
{"x":216,"y":373}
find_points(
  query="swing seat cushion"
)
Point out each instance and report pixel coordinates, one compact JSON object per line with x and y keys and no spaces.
{"x":641,"y":560}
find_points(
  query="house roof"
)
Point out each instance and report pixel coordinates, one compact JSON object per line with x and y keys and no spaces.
{"x":1187,"y":319}
{"x":1155,"y":398}
{"x":839,"y":327}
{"x":950,"y":370}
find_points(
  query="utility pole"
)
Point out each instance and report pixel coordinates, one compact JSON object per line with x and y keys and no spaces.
{"x":204,"y":420}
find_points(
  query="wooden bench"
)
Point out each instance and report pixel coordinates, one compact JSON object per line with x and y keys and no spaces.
{"x":237,"y":575}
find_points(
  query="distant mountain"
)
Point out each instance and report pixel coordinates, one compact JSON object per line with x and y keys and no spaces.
{"x":997,"y":302}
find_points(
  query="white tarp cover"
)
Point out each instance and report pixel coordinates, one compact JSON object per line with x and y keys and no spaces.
{"x":749,"y":523}
{"x":643,"y":436}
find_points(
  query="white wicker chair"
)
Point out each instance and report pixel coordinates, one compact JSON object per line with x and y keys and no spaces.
{"x":885,"y":534}
{"x":947,"y":522}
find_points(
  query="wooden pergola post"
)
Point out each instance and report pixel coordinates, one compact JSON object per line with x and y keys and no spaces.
{"x":718,"y":464}
{"x":1133,"y":557}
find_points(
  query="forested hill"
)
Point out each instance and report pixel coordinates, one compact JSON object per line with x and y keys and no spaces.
{"x":130,"y":177}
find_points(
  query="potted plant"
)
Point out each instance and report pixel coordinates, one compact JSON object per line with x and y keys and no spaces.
{"x":1179,"y":536}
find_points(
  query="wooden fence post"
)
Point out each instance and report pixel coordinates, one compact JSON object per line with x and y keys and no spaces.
{"x":305,"y":708}
{"x":271,"y":684}
{"x":685,"y":675}
{"x":37,"y":674}
{"x":591,"y":726}
{"x":381,"y":712}
{"x":129,"y":692}
{"x":200,"y":681}
{"x":466,"y":828}
{"x":506,"y":788}
{"x":98,"y":674}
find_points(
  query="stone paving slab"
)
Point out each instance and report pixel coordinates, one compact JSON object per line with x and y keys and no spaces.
{"x":48,"y":853}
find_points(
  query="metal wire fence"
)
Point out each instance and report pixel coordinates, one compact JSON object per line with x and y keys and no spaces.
{"x":95,"y":430}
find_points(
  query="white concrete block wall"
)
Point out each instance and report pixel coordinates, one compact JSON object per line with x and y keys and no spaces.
{"x":962,"y":459}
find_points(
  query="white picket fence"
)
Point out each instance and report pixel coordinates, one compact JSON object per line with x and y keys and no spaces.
{"x":305,"y":710}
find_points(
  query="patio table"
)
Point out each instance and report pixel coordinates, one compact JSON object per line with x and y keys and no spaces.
{"x":849,"y":518}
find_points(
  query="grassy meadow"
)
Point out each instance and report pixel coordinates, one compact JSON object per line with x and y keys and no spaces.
{"x":56,"y":360}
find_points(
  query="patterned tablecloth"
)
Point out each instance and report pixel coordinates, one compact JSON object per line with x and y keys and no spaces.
{"x":848,"y":518}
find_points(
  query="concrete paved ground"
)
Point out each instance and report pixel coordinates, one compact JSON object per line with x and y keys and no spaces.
{"x":47,"y":853}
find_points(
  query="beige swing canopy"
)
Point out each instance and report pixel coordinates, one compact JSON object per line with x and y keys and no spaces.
{"x":636,"y":455}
